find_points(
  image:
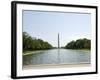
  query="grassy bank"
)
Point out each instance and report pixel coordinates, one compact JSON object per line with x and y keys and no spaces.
{"x":31,"y":52}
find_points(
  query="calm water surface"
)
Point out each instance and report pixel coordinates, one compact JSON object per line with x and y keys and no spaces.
{"x":57,"y":56}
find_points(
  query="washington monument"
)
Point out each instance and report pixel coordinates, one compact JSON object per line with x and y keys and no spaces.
{"x":58,"y":42}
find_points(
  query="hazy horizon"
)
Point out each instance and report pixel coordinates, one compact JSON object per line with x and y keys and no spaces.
{"x":47,"y":25}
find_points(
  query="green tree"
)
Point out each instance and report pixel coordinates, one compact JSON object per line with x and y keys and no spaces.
{"x":79,"y":44}
{"x":30,"y":43}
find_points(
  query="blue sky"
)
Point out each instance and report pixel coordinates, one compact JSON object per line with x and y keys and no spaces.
{"x":47,"y":25}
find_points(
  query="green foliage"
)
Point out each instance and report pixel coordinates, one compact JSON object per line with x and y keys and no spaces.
{"x":79,"y":44}
{"x":30,"y":43}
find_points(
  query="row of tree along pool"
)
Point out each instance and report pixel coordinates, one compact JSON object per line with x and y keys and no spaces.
{"x":32,"y":43}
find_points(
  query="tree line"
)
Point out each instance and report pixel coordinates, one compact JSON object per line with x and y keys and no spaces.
{"x":79,"y":44}
{"x":32,"y":43}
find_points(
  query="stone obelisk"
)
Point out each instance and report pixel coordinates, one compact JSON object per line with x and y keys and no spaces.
{"x":58,"y":42}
